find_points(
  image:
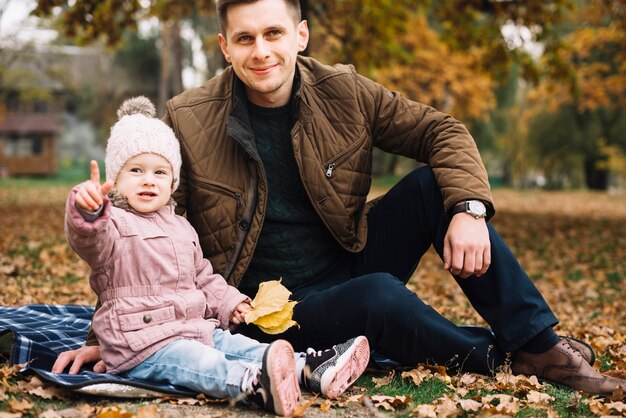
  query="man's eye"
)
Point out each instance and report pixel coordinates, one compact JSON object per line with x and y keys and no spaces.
{"x":245,"y":39}
{"x":275,"y":33}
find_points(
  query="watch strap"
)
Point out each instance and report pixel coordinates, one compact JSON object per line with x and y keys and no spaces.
{"x":467,"y":208}
{"x":461,"y":207}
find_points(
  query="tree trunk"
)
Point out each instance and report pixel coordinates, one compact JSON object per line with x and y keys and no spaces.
{"x":171,"y":77}
{"x":164,"y":77}
{"x":595,"y":178}
{"x":177,"y":61}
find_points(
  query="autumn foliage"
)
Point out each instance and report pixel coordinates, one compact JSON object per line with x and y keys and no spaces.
{"x":573,"y":245}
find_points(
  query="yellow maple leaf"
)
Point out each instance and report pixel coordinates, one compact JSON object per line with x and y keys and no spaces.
{"x":275,"y":319}
{"x":280,"y":328}
{"x":271,"y":308}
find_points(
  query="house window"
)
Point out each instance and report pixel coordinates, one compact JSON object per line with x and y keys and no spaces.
{"x":12,"y":102}
{"x":23,"y":146}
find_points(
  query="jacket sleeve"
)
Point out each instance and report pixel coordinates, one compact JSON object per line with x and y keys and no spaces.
{"x":92,"y":241}
{"x":418,"y":131}
{"x":221,"y":298}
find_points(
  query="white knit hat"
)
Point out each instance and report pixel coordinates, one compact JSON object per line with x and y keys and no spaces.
{"x":138,"y":131}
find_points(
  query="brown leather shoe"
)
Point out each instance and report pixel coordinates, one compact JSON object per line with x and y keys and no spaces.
{"x":564,"y":365}
{"x":585,"y":349}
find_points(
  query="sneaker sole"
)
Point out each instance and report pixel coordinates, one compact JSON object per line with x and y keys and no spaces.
{"x":280,"y":378}
{"x":350,"y":365}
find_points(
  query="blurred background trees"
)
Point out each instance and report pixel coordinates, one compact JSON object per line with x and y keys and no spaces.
{"x":541,"y":84}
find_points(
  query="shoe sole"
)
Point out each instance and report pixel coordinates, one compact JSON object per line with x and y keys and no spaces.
{"x":349,"y":366}
{"x":280,"y":378}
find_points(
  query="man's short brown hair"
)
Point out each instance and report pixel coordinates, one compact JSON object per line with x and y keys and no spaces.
{"x":222,"y":9}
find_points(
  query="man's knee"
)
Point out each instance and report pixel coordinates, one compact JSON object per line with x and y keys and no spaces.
{"x":422,"y":178}
{"x":383,"y":294}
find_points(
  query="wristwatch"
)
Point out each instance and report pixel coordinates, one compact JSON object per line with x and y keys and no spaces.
{"x":476,"y":208}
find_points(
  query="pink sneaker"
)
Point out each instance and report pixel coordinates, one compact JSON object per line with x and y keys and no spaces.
{"x":276,"y":389}
{"x":330,"y":372}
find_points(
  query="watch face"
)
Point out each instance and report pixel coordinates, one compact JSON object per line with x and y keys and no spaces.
{"x":477,"y":208}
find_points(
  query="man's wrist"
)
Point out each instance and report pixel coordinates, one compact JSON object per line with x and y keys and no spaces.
{"x":474,"y":208}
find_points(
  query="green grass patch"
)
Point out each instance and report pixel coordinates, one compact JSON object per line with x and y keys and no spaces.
{"x":427,"y":392}
{"x":575,"y":276}
{"x":606,"y":361}
{"x":532,"y":413}
{"x":565,"y":405}
{"x":68,"y":173}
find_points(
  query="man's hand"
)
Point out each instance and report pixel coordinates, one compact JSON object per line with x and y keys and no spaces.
{"x":90,"y":193}
{"x":83,"y":355}
{"x":239,"y":313}
{"x":466,"y":246}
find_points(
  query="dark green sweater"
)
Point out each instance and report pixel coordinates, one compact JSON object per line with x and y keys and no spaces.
{"x":294,"y":243}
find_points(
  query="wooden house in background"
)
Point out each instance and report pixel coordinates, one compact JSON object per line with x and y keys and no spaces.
{"x":28,"y":144}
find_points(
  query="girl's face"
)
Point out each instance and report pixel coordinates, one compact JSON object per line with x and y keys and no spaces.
{"x":146,"y":180}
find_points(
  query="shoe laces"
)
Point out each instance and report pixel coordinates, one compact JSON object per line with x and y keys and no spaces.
{"x":250,"y":379}
{"x":313,"y":353}
{"x":573,"y":350}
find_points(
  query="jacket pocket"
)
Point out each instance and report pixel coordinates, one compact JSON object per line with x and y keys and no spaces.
{"x":145,"y":326}
{"x":139,"y":318}
{"x":219,"y":188}
{"x":216,"y":210}
{"x":344,"y":155}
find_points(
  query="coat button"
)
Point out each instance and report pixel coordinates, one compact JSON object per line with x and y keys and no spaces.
{"x":244,"y":225}
{"x":147,"y":318}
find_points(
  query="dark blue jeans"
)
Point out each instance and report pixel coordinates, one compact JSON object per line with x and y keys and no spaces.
{"x":376,"y":303}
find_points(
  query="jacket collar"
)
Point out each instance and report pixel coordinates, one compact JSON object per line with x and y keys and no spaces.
{"x":238,"y":126}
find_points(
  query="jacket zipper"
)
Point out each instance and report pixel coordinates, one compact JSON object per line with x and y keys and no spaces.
{"x":221,"y":189}
{"x":343,"y":156}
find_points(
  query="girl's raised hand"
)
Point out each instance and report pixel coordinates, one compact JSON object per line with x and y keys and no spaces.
{"x":90,"y":193}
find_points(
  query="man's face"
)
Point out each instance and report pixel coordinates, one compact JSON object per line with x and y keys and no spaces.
{"x":261,"y":42}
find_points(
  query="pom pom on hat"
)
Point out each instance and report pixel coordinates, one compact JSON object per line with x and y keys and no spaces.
{"x":138,"y":131}
{"x":139,"y":104}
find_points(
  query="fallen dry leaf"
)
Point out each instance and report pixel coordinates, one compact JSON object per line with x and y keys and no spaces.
{"x":326,"y":405}
{"x":469,"y":405}
{"x":501,"y":403}
{"x":49,"y":413}
{"x":390,"y":403}
{"x":20,"y":406}
{"x":299,"y":410}
{"x":113,"y":412}
{"x":424,"y":411}
{"x":446,"y":407}
{"x":619,"y":407}
{"x":9,"y":371}
{"x":417,"y":375}
{"x":384,"y":381}
{"x":538,"y":398}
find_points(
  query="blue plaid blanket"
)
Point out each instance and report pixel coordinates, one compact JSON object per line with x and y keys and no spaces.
{"x":36,"y":334}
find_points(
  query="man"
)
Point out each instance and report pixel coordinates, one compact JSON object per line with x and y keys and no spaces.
{"x":276,"y":170}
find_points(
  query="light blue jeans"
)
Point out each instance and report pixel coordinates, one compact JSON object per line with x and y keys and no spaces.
{"x":216,"y":371}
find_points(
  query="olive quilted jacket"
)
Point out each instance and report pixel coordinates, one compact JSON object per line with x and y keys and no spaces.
{"x":339,"y":117}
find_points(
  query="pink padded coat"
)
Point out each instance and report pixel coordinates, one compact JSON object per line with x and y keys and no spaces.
{"x":152,"y":280}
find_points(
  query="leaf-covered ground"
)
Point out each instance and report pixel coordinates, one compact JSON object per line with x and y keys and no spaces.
{"x":573,"y":245}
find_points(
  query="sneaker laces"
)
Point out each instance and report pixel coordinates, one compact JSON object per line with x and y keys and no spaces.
{"x":313,"y":353}
{"x":250,"y":378}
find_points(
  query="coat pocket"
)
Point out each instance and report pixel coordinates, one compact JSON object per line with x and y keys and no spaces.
{"x":145,"y":326}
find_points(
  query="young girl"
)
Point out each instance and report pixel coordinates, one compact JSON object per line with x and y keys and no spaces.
{"x":164,"y":313}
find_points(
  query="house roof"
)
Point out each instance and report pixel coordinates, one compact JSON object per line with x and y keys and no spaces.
{"x":29,"y":123}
